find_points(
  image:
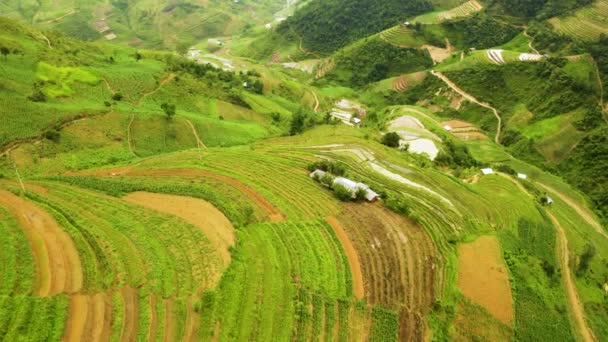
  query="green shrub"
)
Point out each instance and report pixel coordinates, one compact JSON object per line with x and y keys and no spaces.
{"x":343,"y":193}
{"x":336,"y":168}
{"x":391,"y":139}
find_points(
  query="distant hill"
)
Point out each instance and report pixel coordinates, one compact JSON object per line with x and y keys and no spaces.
{"x":327,"y":25}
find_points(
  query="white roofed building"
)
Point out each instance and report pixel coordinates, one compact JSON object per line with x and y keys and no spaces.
{"x":353,"y":186}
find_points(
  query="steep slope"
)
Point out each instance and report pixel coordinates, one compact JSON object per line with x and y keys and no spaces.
{"x":326,"y":26}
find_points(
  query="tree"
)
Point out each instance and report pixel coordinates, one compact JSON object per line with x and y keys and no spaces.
{"x":182,"y":48}
{"x":391,"y":139}
{"x":297,"y":122}
{"x":169,"y":110}
{"x":117,"y":97}
{"x":5,"y":51}
{"x":138,"y":56}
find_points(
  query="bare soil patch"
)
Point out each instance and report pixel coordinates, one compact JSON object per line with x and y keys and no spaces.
{"x":458,"y":124}
{"x":170,"y":323}
{"x":129,"y":328}
{"x":58,"y":267}
{"x":483,"y":277}
{"x":195,"y":211}
{"x":351,"y":253}
{"x":78,"y":311}
{"x":274,"y":214}
{"x":470,"y":135}
{"x":153,"y":319}
{"x":192,"y":323}
{"x":438,"y":54}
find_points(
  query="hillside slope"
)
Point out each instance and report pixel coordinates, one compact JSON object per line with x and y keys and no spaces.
{"x":457,"y":190}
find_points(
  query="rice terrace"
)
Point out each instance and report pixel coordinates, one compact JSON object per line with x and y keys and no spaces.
{"x":304,"y":170}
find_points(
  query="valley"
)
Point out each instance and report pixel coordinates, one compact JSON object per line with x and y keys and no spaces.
{"x":428,"y":170}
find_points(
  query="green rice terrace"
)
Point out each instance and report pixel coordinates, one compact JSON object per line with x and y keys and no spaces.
{"x":321,"y":170}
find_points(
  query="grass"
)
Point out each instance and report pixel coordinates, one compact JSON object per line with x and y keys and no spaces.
{"x":61,"y":79}
{"x":290,"y":277}
{"x":586,"y":23}
{"x":17,"y":259}
{"x":462,"y":11}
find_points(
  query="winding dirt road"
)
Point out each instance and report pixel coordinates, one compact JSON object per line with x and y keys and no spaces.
{"x":472,"y":99}
{"x":316,"y":109}
{"x":586,"y":214}
{"x":576,"y":307}
{"x":199,"y":142}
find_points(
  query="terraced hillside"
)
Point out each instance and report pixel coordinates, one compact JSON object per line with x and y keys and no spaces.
{"x":148,"y":196}
{"x":586,"y":24}
{"x":464,"y":10}
{"x":163,"y":24}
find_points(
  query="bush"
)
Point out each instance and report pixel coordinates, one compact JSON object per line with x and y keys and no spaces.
{"x":391,"y":139}
{"x":169,"y":110}
{"x":117,"y":97}
{"x":52,"y":135}
{"x":505,"y":169}
{"x":585,"y":259}
{"x":327,"y":180}
{"x":343,"y":193}
{"x":360,"y":194}
{"x":336,"y":168}
{"x":398,"y":205}
{"x":37,"y":96}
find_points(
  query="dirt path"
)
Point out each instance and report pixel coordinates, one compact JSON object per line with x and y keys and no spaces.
{"x":316,"y":109}
{"x":110,"y":89}
{"x":351,"y":253}
{"x":59,"y":18}
{"x":58,"y":267}
{"x":530,"y":42}
{"x":129,"y":140}
{"x":583,"y":212}
{"x":576,"y":307}
{"x":48,"y":42}
{"x":129,"y":328}
{"x":199,"y":142}
{"x":472,"y":99}
{"x":601,"y":86}
{"x":160,"y":85}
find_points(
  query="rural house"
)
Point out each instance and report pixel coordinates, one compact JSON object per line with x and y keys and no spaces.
{"x":352,"y":186}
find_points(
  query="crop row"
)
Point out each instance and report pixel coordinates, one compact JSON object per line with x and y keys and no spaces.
{"x":284,"y":184}
{"x":16,"y":258}
{"x":122,"y":244}
{"x":226,"y":198}
{"x":256,"y":297}
{"x":24,"y":318}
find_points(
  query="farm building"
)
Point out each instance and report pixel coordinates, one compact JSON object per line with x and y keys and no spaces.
{"x":522,"y":176}
{"x":317,"y":173}
{"x":352,"y":186}
{"x":487,"y":171}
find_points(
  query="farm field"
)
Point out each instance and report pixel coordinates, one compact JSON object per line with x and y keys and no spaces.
{"x":295,"y":171}
{"x":587,"y":23}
